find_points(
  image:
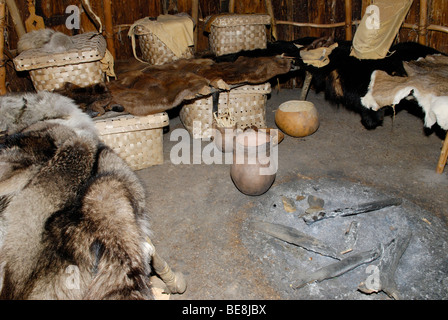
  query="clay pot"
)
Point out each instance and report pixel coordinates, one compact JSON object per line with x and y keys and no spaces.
{"x":276,"y":135}
{"x":297,"y":118}
{"x":223,"y":137}
{"x":253,"y":169}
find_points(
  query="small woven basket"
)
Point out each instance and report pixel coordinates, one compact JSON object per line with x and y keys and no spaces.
{"x":246,"y":104}
{"x":137,"y":140}
{"x":80,"y":65}
{"x":233,"y":33}
{"x":155,"y":51}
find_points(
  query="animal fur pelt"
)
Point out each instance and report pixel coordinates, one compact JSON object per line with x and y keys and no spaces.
{"x":290,"y":49}
{"x":426,"y":81}
{"x":345,"y":79}
{"x":73,"y":223}
{"x":146,"y":89}
{"x":47,"y":40}
{"x":94,"y":100}
{"x":143,"y":89}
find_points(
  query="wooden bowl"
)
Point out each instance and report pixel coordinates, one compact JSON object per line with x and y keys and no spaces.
{"x":297,"y":118}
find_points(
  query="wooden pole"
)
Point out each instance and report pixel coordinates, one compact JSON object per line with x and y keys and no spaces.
{"x":333,"y":16}
{"x":443,"y":156}
{"x":431,"y":27}
{"x":91,"y":14}
{"x":312,"y":25}
{"x":108,"y":26}
{"x":2,"y":45}
{"x":422,"y":30}
{"x":232,"y":6}
{"x":348,"y":20}
{"x":175,"y":281}
{"x":16,"y":19}
{"x":195,"y":16}
{"x":270,"y":11}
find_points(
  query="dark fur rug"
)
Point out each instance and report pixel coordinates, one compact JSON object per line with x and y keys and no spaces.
{"x":345,"y":79}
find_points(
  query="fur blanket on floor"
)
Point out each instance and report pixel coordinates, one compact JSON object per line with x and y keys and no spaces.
{"x":426,"y":81}
{"x":73,"y":217}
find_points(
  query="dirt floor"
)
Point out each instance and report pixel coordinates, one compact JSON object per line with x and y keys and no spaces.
{"x":201,"y":221}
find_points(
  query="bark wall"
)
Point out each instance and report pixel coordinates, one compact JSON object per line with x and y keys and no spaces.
{"x":125,"y":12}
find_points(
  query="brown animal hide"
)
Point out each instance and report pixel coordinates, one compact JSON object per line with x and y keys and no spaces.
{"x":427,"y":82}
{"x":153,"y":89}
{"x":94,"y":100}
{"x":145,"y":89}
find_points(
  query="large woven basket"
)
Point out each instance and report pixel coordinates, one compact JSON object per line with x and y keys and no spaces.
{"x":155,"y":51}
{"x":247,"y":104}
{"x":137,"y":140}
{"x":80,"y":65}
{"x":236,"y":32}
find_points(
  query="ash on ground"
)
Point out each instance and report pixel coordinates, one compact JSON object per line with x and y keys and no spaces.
{"x":422,"y":272}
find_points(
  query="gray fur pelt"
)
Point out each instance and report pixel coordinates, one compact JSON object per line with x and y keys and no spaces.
{"x":73,"y":223}
{"x":47,"y":40}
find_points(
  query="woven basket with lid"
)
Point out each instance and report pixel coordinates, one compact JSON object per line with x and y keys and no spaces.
{"x":235,"y":32}
{"x":247,"y":105}
{"x":155,"y":51}
{"x":137,"y":140}
{"x":80,"y":65}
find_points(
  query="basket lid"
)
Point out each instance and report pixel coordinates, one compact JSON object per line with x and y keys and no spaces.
{"x":229,"y":20}
{"x":264,"y":88}
{"x":89,"y":46}
{"x":126,"y":123}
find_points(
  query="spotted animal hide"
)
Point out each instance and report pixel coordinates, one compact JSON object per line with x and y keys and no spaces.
{"x":427,"y":82}
{"x":345,"y":79}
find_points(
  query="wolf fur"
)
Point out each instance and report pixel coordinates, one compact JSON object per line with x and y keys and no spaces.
{"x":47,"y":40}
{"x":73,"y":223}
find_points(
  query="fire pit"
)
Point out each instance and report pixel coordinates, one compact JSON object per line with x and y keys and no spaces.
{"x":420,"y":270}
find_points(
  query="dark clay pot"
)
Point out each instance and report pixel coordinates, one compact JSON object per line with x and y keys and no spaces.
{"x":252,"y":168}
